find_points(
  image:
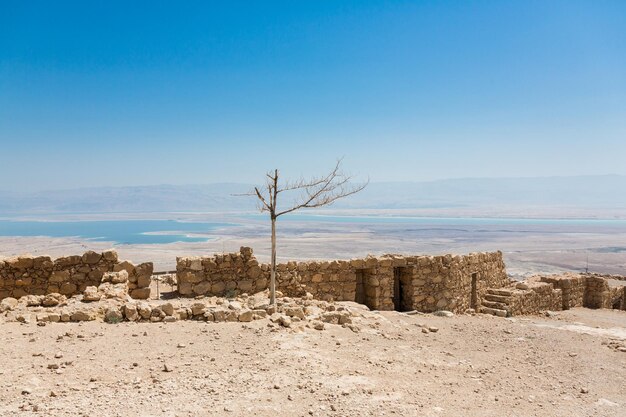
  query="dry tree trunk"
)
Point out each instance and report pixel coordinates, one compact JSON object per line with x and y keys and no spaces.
{"x":273,"y":273}
{"x":317,"y":192}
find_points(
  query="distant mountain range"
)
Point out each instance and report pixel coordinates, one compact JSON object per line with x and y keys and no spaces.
{"x":585,"y":192}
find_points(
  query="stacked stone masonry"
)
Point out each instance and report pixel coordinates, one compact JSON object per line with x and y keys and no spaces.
{"x":554,"y":293}
{"x":424,"y":283}
{"x":70,"y":275}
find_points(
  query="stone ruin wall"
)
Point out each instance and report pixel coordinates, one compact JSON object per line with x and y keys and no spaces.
{"x":445,"y":282}
{"x":220,"y":275}
{"x":69,"y":275}
{"x":429,"y":283}
{"x":562,"y":292}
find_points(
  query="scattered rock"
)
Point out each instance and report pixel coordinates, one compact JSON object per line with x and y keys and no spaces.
{"x":83,"y":315}
{"x":113,"y":315}
{"x":130,"y":312}
{"x":8,"y":304}
{"x":168,"y":309}
{"x":91,"y":294}
{"x":53,"y":299}
{"x":317,"y":325}
{"x":246,"y":315}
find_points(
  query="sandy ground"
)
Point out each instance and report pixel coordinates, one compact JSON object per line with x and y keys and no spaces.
{"x":472,"y":366}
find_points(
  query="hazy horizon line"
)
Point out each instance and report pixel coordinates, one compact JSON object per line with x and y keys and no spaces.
{"x":371,"y":182}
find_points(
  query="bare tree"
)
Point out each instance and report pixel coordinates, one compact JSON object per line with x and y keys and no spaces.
{"x":312,"y":193}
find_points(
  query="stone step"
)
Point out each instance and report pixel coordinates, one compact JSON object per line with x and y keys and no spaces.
{"x":499,"y":292}
{"x":493,"y":311}
{"x":495,"y":304}
{"x":497,"y":298}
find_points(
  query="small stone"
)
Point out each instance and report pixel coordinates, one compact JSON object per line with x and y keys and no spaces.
{"x":246,"y":315}
{"x":433,"y":329}
{"x":58,"y":355}
{"x":8,"y":304}
{"x":167,"y":368}
{"x":27,"y":391}
{"x":91,"y":294}
{"x":168,"y":309}
{"x":113,"y":315}
{"x":584,"y":390}
{"x":318,"y":325}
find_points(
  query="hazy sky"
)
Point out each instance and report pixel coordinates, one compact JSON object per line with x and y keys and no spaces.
{"x":130,"y":92}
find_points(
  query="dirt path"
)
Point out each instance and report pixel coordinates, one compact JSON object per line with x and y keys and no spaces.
{"x":471,"y":366}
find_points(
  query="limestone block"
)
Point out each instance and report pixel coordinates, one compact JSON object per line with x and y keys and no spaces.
{"x":110,"y":255}
{"x":246,"y":315}
{"x":8,"y":304}
{"x":83,"y":315}
{"x":67,"y":261}
{"x":254,"y":272}
{"x":68,"y":288}
{"x":130,"y":312}
{"x":195,"y":264}
{"x":91,"y":294}
{"x":168,"y":309}
{"x":124,"y":266}
{"x":185,"y":288}
{"x":20,"y":262}
{"x":113,"y":315}
{"x":116,"y":277}
{"x":202,"y":288}
{"x":140,"y":293}
{"x":53,"y":299}
{"x":191,"y":277}
{"x":144,"y":280}
{"x":144,"y":269}
{"x":144,"y":309}
{"x":95,"y":275}
{"x":91,"y":257}
{"x":261,"y":284}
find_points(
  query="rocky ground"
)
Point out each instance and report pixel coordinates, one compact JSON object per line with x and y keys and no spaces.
{"x":569,"y":363}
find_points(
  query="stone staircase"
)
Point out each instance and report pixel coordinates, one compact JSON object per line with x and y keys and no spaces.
{"x":496,"y":302}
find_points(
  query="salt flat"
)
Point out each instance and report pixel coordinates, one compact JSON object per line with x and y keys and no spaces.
{"x":528,"y":247}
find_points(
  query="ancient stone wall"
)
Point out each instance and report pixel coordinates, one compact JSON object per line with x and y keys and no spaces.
{"x":556,"y":292}
{"x":597,"y":293}
{"x":535,"y":298}
{"x":70,"y":275}
{"x":572,"y":286}
{"x":425,"y":283}
{"x":220,"y":275}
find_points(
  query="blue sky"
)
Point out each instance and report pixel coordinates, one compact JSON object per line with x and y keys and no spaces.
{"x":131,"y":93}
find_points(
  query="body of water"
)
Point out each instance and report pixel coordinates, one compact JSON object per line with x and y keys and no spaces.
{"x":169,"y":231}
{"x":118,"y":231}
